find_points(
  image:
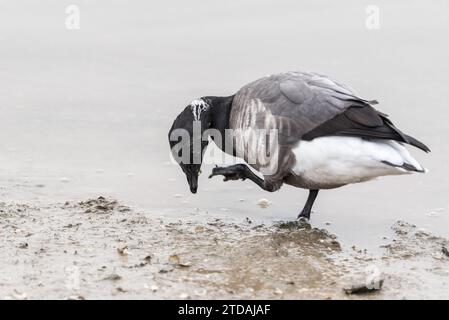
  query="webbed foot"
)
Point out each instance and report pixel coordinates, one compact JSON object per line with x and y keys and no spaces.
{"x":235,"y":172}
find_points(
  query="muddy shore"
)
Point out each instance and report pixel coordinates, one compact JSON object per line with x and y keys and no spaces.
{"x":100,"y":248}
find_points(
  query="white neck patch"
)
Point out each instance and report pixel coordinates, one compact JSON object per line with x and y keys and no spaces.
{"x":198,"y":106}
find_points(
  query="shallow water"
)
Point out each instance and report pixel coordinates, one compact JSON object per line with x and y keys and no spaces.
{"x":86,"y":112}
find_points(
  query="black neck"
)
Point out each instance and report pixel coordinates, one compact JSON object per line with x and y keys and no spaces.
{"x":220,"y":112}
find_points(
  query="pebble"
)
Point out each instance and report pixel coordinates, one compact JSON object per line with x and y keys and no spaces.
{"x":433,"y":214}
{"x":23,"y":245}
{"x":200,"y":293}
{"x":278,"y":291}
{"x":438,"y":256}
{"x":174,"y":259}
{"x":113,"y":277}
{"x":19,"y":296}
{"x":123,"y":251}
{"x":200,"y":229}
{"x":364,"y":287}
{"x":263,"y":203}
{"x":76,"y":297}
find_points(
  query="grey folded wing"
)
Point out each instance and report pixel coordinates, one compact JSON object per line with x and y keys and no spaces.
{"x":294,"y":103}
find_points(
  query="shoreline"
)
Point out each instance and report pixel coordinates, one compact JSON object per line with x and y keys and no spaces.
{"x":99,"y":248}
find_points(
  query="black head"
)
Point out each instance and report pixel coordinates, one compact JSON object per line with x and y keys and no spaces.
{"x":186,"y":139}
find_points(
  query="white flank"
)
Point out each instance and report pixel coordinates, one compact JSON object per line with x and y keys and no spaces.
{"x":334,"y":161}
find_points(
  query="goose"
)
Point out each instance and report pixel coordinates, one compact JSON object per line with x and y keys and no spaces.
{"x":326,"y":137}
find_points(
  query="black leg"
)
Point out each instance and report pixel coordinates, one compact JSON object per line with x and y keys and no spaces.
{"x":305,"y":213}
{"x":241,"y":171}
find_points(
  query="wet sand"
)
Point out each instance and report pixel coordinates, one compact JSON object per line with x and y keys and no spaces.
{"x":99,"y":249}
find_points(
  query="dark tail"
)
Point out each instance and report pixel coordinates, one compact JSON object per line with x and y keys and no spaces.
{"x":405,"y":166}
{"x":406,"y":138}
{"x":416,"y":143}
